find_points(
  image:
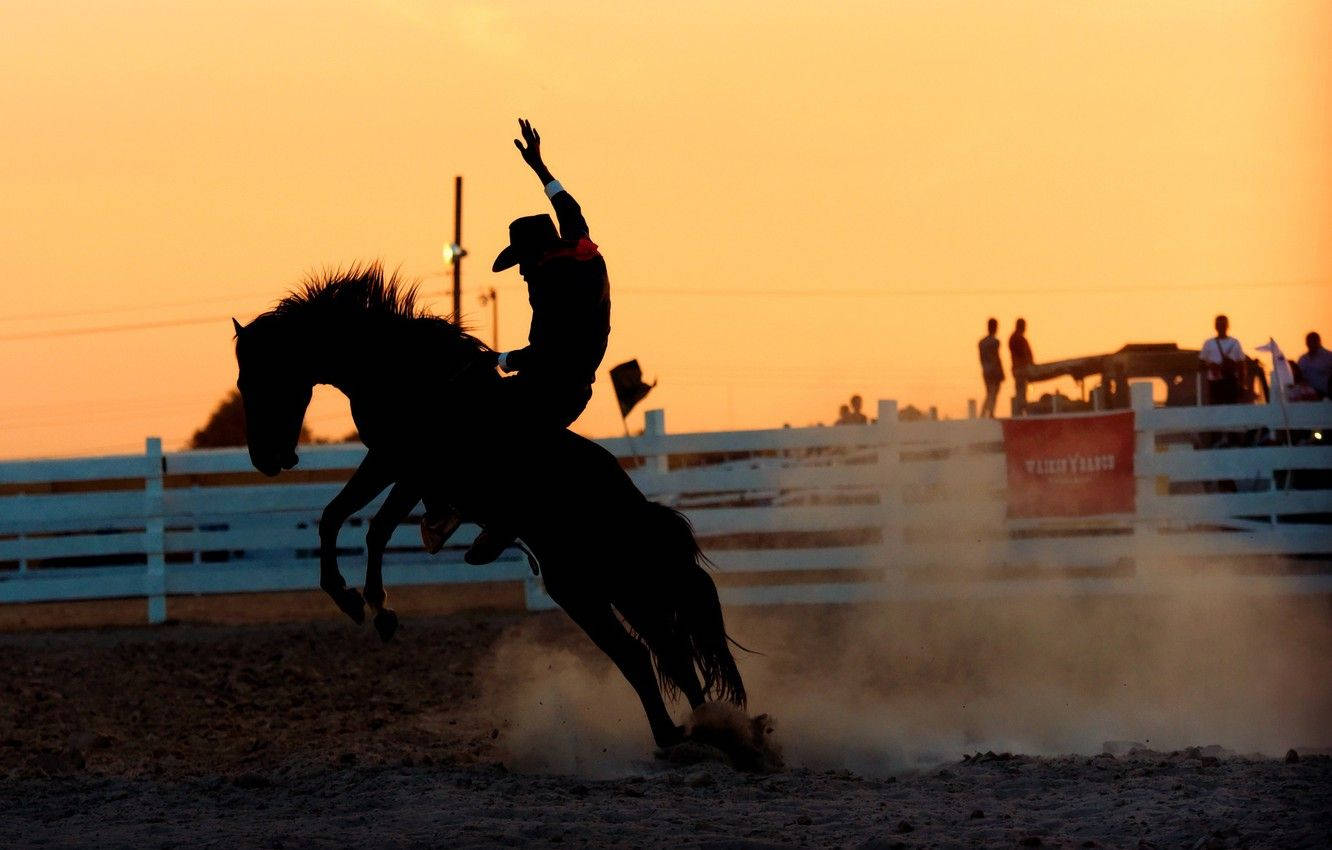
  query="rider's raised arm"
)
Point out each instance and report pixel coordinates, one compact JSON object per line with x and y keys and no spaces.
{"x":572,"y":223}
{"x":570,"y":215}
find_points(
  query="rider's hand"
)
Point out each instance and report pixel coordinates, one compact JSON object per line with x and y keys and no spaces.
{"x":532,"y":152}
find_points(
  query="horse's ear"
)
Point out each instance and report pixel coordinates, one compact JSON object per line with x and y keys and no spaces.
{"x":238,"y":326}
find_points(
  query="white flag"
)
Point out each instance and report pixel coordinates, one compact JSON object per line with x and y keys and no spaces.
{"x":1281,"y":373}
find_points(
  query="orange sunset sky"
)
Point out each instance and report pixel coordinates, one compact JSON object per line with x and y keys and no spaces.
{"x":797,"y":200}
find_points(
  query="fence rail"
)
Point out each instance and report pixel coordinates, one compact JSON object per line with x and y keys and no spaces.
{"x":892,"y":510}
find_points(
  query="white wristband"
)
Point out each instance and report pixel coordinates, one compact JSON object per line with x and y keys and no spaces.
{"x":553,"y":188}
{"x":504,"y":361}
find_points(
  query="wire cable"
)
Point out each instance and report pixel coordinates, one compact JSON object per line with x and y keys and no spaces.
{"x":132,"y":308}
{"x":694,"y":293}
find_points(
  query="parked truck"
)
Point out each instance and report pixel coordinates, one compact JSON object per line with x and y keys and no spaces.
{"x":1177,"y":368}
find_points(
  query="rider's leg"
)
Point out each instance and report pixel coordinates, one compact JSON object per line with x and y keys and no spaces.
{"x":438,"y":524}
{"x":369,"y":479}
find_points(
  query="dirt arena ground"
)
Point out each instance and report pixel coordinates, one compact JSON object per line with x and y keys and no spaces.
{"x":498,"y":728}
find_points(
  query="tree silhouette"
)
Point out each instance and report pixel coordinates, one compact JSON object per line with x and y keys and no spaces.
{"x":226,"y":426}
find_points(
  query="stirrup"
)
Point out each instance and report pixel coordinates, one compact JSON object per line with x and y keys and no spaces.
{"x":488,"y":546}
{"x":436,"y":530}
{"x":532,"y":563}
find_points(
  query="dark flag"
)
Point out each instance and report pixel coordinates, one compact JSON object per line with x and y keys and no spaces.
{"x":627,"y":378}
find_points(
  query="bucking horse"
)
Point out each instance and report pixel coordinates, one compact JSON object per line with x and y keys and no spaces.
{"x":432,"y":412}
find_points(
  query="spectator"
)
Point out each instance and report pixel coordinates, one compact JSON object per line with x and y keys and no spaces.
{"x":992,"y":370}
{"x":1299,"y":389}
{"x":1316,"y":365}
{"x":852,"y":414}
{"x":1019,"y":352}
{"x":1222,"y":361}
{"x":857,"y":416}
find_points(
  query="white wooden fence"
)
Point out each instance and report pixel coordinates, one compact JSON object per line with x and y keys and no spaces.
{"x":893,"y":510}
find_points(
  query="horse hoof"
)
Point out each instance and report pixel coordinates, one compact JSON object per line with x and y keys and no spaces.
{"x":386,"y":623}
{"x":666,"y":740}
{"x":351,"y":603}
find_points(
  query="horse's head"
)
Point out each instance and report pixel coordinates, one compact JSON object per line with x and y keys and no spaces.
{"x":275,"y":392}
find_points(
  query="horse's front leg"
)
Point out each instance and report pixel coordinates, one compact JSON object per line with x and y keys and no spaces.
{"x":397,"y":505}
{"x":369,"y":479}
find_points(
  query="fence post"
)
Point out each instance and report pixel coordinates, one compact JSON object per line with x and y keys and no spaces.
{"x":1144,"y":496}
{"x":654,"y":425}
{"x":22,"y":549}
{"x":890,"y":493}
{"x":154,"y":537}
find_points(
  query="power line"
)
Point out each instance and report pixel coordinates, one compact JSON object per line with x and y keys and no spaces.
{"x":133,"y":326}
{"x":895,"y":293}
{"x":131,"y":308}
{"x":738,"y":293}
{"x":102,"y":329}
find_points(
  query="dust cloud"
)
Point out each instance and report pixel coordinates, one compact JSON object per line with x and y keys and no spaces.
{"x":560,"y":705}
{"x":893,"y":687}
{"x":1202,"y":659}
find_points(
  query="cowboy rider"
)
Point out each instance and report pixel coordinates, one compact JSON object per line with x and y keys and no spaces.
{"x":569,"y":292}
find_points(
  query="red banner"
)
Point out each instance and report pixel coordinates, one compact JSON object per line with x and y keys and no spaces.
{"x":1075,"y":466}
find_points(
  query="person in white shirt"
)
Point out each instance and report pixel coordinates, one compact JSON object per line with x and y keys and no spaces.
{"x":1222,"y":361}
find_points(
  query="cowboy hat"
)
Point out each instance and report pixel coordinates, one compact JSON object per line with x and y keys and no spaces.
{"x":527,"y":236}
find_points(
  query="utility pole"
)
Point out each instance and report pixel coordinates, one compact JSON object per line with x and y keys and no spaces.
{"x":454,"y":251}
{"x":457,"y":251}
{"x":492,"y":298}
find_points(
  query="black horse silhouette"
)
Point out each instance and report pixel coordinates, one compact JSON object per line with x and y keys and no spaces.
{"x":434,"y":415}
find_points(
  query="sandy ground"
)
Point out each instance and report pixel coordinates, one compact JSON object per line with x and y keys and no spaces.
{"x":495,"y":728}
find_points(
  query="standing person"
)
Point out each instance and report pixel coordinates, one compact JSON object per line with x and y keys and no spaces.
{"x":992,"y":369}
{"x":569,"y":290}
{"x":1222,"y":359}
{"x":856,"y":416}
{"x":1019,"y":353}
{"x":1316,"y":365}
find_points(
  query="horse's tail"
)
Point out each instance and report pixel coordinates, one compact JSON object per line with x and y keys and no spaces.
{"x":692,"y":621}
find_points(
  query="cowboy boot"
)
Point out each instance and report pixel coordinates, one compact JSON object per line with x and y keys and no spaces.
{"x":436,"y":529}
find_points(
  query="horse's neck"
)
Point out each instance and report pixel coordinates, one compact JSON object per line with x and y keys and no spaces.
{"x":380,"y":366}
{"x":342,"y":360}
{"x":333,"y":360}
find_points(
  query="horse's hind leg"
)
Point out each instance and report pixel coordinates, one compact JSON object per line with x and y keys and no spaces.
{"x":679,"y":668}
{"x":598,"y":620}
{"x":673,"y":656}
{"x":397,"y":505}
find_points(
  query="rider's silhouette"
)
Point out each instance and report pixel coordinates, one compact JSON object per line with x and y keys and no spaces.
{"x":569,"y":291}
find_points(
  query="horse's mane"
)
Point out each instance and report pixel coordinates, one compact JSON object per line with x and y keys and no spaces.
{"x":358,"y":292}
{"x":361,"y":296}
